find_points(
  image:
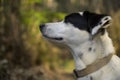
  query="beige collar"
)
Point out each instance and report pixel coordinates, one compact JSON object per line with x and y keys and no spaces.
{"x":98,"y":64}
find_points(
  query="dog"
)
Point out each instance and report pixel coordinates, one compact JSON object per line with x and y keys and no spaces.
{"x":85,"y":34}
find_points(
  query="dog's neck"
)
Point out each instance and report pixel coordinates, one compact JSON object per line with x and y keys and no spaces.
{"x":88,"y":52}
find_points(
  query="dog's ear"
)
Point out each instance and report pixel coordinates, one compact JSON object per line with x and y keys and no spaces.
{"x":96,"y":22}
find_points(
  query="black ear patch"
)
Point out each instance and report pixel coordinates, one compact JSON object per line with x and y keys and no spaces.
{"x":88,"y":21}
{"x":77,"y":20}
{"x":93,"y":19}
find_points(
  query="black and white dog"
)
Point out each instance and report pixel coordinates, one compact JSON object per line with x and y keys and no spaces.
{"x":86,"y":36}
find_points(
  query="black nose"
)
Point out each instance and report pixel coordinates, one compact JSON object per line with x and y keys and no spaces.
{"x":42,"y":27}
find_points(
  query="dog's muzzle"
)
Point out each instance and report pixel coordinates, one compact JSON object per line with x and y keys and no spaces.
{"x":43,"y":29}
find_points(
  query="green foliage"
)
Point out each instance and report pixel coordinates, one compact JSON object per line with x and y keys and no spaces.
{"x":31,"y":19}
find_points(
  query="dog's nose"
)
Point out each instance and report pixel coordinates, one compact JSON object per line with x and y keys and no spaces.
{"x":42,"y":27}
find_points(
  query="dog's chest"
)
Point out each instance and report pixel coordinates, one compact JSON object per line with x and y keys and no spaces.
{"x":85,"y":78}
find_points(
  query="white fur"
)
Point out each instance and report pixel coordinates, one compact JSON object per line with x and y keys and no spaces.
{"x":81,"y":13}
{"x":79,"y":43}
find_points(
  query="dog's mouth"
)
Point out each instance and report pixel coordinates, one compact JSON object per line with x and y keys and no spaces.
{"x":53,"y":38}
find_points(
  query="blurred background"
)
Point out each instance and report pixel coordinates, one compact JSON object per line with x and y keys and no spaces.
{"x":25,"y":55}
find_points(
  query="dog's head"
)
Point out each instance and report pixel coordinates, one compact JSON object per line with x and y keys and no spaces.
{"x":76,"y":27}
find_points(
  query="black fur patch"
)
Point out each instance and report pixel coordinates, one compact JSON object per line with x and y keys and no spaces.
{"x":92,"y":18}
{"x":87,"y":21}
{"x":77,"y":20}
{"x":91,"y":78}
{"x":90,"y":49}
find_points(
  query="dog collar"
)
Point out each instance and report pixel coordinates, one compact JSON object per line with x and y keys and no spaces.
{"x":98,"y":64}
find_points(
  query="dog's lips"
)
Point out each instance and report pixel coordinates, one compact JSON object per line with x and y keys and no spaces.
{"x":53,"y":38}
